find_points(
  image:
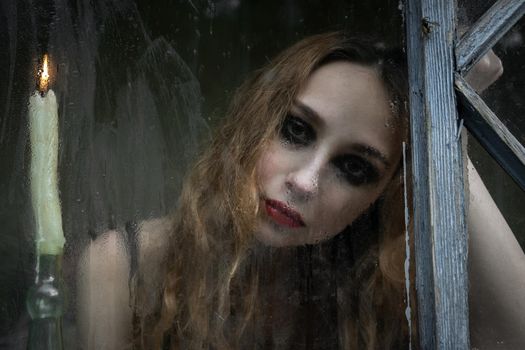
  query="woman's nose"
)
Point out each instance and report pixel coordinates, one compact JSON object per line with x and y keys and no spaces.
{"x":303,"y":182}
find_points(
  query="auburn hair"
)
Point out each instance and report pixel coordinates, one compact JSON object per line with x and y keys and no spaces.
{"x":216,"y":269}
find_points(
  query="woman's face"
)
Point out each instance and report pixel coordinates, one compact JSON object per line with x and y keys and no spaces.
{"x":334,"y":155}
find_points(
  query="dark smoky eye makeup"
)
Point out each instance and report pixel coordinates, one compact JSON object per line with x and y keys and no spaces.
{"x":297,"y":131}
{"x":356,"y":170}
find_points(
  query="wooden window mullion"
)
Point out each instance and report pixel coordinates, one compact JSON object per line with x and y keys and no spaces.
{"x":437,"y":172}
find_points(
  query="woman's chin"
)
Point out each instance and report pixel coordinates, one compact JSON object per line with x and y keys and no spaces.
{"x":275,"y":235}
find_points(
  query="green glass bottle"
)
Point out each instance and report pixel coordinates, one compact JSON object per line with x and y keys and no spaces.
{"x":45,"y":304}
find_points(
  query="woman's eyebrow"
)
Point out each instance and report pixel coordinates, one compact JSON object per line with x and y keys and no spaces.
{"x":309,"y":113}
{"x":372,"y":152}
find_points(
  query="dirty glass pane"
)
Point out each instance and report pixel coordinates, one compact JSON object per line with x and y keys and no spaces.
{"x":469,"y":11}
{"x":505,"y":97}
{"x":288,"y":232}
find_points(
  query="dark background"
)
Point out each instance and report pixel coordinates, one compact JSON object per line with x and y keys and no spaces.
{"x":100,"y":46}
{"x":107,"y":168}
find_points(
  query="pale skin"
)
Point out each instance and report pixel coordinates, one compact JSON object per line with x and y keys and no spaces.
{"x":308,"y":179}
{"x":336,"y":156}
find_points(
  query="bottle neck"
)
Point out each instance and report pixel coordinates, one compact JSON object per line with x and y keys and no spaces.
{"x":45,"y":298}
{"x":48,"y":268}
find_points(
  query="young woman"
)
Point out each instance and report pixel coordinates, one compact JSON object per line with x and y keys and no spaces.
{"x":289,"y":229}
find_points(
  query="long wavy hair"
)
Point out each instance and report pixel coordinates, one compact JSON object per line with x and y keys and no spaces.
{"x":216,"y":288}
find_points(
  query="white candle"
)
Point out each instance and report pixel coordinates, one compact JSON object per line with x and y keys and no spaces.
{"x":43,"y":131}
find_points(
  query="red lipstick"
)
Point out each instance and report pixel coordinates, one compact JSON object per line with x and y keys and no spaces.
{"x":283,"y":214}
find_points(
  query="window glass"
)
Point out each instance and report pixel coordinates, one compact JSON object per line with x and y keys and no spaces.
{"x":289,"y":230}
{"x":468,"y":11}
{"x":505,"y":97}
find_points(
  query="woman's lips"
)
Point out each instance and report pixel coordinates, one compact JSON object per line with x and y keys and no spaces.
{"x":283,"y":214}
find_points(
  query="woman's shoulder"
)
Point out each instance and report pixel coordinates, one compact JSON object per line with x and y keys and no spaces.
{"x":107,"y":268}
{"x":112,"y":252}
{"x":114,"y":257}
{"x":153,"y":239}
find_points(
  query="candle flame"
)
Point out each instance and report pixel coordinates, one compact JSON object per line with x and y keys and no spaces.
{"x":44,"y":76}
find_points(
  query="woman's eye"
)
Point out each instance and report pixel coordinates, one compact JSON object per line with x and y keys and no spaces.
{"x":356,"y":170}
{"x":296,"y":131}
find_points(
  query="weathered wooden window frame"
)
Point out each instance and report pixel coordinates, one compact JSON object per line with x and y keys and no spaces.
{"x":437,"y":63}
